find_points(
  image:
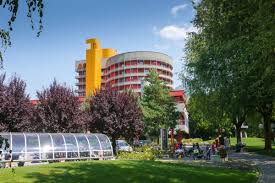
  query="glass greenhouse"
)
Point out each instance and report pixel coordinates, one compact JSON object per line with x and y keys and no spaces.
{"x":55,"y":146}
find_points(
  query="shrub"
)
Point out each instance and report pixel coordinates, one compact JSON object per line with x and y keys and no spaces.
{"x":141,"y":153}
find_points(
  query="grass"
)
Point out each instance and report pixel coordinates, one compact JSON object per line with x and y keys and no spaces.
{"x":119,"y":171}
{"x":254,"y":145}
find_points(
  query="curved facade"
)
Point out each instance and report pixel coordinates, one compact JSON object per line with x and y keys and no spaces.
{"x":121,"y":71}
{"x":128,"y":70}
{"x":57,"y":146}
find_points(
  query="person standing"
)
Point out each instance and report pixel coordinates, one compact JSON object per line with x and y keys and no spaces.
{"x":9,"y":158}
{"x":1,"y":159}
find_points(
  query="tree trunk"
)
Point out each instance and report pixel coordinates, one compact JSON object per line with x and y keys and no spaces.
{"x":238,"y":132}
{"x":266,"y":111}
{"x":268,"y":132}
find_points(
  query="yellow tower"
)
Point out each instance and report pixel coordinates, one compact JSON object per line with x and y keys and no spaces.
{"x":94,"y":56}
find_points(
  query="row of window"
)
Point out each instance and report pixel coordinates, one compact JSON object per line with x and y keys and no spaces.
{"x":125,"y":87}
{"x":135,"y":70}
{"x":135,"y":78}
{"x":138,"y":62}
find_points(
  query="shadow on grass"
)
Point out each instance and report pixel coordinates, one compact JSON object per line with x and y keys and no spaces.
{"x":132,"y":171}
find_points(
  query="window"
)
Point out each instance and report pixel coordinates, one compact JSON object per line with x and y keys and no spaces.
{"x":133,"y":62}
{"x":147,"y":62}
{"x":128,"y":63}
{"x":140,"y":62}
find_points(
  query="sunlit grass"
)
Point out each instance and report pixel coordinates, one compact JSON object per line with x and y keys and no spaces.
{"x":254,"y":145}
{"x":124,"y":171}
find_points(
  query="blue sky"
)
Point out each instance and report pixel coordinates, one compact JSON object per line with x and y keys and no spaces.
{"x":125,"y":25}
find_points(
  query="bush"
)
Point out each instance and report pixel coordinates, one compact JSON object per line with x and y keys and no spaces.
{"x":141,"y":153}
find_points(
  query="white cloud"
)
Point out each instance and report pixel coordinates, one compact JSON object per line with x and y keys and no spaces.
{"x":176,"y":9}
{"x":197,"y":2}
{"x":161,"y":46}
{"x":174,"y":32}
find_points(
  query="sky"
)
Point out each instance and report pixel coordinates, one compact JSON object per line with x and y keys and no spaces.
{"x":125,"y":25}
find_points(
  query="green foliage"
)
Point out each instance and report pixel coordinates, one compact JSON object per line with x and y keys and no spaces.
{"x":158,"y":107}
{"x":140,"y":153}
{"x":206,"y":115}
{"x":146,"y":152}
{"x":232,"y":55}
{"x":254,"y":120}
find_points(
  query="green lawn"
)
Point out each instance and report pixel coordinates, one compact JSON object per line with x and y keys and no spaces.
{"x":124,"y":171}
{"x":254,"y":145}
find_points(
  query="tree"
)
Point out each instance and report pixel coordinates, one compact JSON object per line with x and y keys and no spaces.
{"x":206,"y":116}
{"x":158,"y":107}
{"x":15,"y":106}
{"x":115,"y":114}
{"x":34,"y":6}
{"x":58,"y":110}
{"x":233,"y":54}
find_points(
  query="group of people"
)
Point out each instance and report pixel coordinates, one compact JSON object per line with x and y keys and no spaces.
{"x":219,"y":147}
{"x":5,"y":159}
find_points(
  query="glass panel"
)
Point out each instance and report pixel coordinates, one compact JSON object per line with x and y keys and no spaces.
{"x":93,"y":142}
{"x":83,"y":146}
{"x":46,"y":146}
{"x":32,"y":147}
{"x":32,"y":143}
{"x":18,"y":143}
{"x":59,"y":146}
{"x":104,"y":141}
{"x":58,"y":142}
{"x":18,"y":147}
{"x":72,"y":151}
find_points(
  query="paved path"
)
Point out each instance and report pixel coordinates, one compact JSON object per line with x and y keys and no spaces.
{"x":264,"y":163}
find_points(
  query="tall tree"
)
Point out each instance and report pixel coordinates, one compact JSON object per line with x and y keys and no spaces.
{"x":115,"y":114}
{"x":15,"y":106}
{"x":233,"y":54}
{"x":58,"y":110}
{"x":33,"y":7}
{"x":158,"y":107}
{"x":206,"y":115}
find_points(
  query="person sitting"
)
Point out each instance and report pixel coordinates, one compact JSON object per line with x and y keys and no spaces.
{"x":208,"y":152}
{"x":213,"y":148}
{"x":179,"y":151}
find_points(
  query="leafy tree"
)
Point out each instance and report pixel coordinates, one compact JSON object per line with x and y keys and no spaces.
{"x":15,"y":106}
{"x":58,"y":110}
{"x":233,"y":54}
{"x":33,"y":7}
{"x":206,"y":116}
{"x":115,"y":114}
{"x":158,"y":107}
